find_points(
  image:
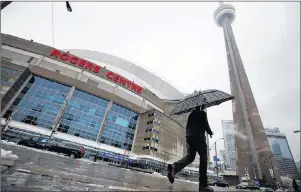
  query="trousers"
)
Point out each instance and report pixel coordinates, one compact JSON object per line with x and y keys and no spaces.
{"x":195,"y":143}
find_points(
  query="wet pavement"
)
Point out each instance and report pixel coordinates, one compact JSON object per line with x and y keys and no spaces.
{"x":46,"y":171}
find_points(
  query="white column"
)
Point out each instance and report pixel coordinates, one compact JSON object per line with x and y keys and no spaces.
{"x":104,"y":120}
{"x":61,"y":112}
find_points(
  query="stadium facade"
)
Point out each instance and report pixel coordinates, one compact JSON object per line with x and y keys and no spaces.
{"x":93,"y":99}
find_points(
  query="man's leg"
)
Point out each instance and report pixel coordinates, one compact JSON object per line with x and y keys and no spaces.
{"x":203,"y":180}
{"x":179,"y":165}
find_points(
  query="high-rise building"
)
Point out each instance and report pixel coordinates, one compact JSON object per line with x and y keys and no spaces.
{"x":282,"y":153}
{"x":223,"y":155}
{"x":229,"y":143}
{"x":298,"y":164}
{"x":250,"y":151}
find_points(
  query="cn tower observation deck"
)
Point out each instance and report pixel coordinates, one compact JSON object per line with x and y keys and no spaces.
{"x":224,"y":11}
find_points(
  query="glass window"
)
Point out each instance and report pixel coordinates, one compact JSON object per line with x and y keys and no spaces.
{"x":83,"y":115}
{"x":122,"y":122}
{"x":119,"y":127}
{"x":35,"y":105}
{"x":14,"y":72}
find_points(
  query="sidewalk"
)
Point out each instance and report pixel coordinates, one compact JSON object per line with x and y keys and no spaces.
{"x":46,"y":171}
{"x":7,"y":161}
{"x":145,"y":182}
{"x":34,"y":178}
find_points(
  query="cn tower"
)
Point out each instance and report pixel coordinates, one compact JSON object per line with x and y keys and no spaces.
{"x":251,"y":153}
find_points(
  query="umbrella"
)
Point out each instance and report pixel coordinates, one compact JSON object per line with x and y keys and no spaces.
{"x":208,"y":98}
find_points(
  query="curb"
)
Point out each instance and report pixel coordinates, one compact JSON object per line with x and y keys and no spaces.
{"x":7,"y":166}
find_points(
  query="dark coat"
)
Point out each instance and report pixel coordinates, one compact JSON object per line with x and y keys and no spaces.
{"x":197,"y":123}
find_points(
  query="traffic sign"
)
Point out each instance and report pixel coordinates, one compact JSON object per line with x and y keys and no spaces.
{"x":215,"y":158}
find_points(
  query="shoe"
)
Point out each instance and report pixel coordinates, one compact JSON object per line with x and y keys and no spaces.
{"x":171,"y":173}
{"x":206,"y":189}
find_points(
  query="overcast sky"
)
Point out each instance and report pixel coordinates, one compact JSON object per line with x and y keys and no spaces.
{"x":181,"y":43}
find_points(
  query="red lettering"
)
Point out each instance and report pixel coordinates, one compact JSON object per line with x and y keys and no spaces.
{"x":129,"y":83}
{"x":89,"y":66}
{"x":81,"y":63}
{"x":139,"y":89}
{"x":55,"y":53}
{"x":122,"y":81}
{"x":134,"y":87}
{"x":64,"y":57}
{"x":116,"y":78}
{"x":96,"y":69}
{"x":110,"y":74}
{"x":73,"y":60}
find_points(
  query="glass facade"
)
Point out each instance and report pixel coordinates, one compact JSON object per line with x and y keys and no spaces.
{"x":229,"y":143}
{"x":83,"y":115}
{"x":8,"y":78}
{"x":283,"y":157}
{"x":282,"y":153}
{"x":120,"y":126}
{"x":39,"y":102}
{"x":13,"y":72}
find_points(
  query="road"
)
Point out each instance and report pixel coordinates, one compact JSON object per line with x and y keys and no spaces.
{"x":47,"y":171}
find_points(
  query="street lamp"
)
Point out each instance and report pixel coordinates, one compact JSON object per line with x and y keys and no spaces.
{"x":68,"y":6}
{"x":216,"y":155}
{"x":272,"y":166}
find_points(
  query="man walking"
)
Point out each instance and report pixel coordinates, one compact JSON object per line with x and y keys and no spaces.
{"x":196,"y":142}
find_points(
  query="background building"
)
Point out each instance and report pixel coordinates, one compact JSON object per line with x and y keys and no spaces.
{"x":93,"y":99}
{"x":282,"y":153}
{"x":223,"y":155}
{"x":229,"y":143}
{"x":298,"y":164}
{"x":160,"y":136}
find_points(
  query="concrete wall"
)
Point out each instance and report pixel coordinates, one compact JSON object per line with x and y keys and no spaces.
{"x":141,"y":134}
{"x":171,"y":145}
{"x":172,"y":138}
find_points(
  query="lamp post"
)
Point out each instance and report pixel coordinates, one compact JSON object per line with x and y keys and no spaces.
{"x":68,"y":6}
{"x":272,"y":166}
{"x":216,"y":155}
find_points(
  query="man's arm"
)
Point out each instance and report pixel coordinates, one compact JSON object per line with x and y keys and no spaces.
{"x":207,"y":127}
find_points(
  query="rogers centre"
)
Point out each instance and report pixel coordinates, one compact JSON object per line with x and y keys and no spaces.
{"x":93,"y":99}
{"x":95,"y":69}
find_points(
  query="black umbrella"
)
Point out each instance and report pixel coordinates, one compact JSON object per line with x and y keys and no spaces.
{"x":208,"y":98}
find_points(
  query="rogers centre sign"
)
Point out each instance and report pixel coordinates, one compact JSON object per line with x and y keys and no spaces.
{"x":82,"y":63}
